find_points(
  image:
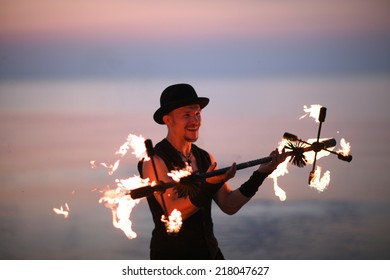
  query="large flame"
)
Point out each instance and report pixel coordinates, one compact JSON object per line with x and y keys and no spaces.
{"x":121,"y":203}
{"x":319,"y":182}
{"x":281,"y":170}
{"x":119,"y":200}
{"x":137,"y":143}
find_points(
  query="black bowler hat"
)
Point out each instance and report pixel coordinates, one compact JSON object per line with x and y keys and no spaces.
{"x":177,"y":96}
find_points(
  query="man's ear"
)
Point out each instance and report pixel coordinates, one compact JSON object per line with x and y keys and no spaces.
{"x":167,"y":119}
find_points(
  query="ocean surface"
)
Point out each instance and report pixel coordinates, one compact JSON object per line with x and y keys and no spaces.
{"x":263,"y":230}
{"x":305,"y":230}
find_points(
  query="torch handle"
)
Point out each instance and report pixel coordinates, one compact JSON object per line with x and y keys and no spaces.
{"x":238,"y":167}
{"x":149,"y":190}
{"x":142,"y":192}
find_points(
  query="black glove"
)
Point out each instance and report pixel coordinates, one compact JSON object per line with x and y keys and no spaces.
{"x":250,"y":187}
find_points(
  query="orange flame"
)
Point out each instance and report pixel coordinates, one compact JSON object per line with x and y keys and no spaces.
{"x":345,"y":147}
{"x":61,"y":211}
{"x":137,"y":143}
{"x":281,"y":170}
{"x":317,"y":182}
{"x":313,"y":112}
{"x":121,"y":203}
{"x":174,"y":222}
{"x":320,"y":183}
{"x":119,"y":200}
{"x":176,"y":175}
{"x":111,"y":168}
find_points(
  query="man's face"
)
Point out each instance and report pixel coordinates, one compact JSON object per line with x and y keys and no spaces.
{"x":185,"y":122}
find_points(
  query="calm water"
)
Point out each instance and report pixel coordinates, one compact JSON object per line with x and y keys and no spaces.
{"x":307,"y":230}
{"x":262,"y":230}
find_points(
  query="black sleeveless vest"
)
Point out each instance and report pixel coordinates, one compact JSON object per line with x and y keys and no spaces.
{"x":196,"y":238}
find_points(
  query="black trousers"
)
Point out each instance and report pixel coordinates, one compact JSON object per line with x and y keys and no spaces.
{"x":159,"y":255}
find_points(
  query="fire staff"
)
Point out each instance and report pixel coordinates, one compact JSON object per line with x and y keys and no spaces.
{"x":180,"y":110}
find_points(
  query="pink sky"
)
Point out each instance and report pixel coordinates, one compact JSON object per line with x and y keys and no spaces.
{"x":131,"y":38}
{"x":190,"y":19}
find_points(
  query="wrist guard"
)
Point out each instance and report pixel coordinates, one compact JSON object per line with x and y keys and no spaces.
{"x":250,"y":187}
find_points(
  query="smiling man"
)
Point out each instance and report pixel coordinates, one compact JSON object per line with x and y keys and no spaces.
{"x":180,"y":111}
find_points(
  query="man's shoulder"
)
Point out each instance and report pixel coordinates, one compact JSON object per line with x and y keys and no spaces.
{"x":201,"y":152}
{"x":195,"y":147}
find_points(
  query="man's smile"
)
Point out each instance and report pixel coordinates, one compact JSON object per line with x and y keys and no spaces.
{"x":192,"y":129}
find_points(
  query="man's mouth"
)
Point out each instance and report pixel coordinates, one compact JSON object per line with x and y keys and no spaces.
{"x":193,"y":129}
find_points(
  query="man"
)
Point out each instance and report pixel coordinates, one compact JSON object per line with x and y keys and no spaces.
{"x":180,"y":111}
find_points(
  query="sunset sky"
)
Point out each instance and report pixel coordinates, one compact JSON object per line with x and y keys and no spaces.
{"x":186,"y":38}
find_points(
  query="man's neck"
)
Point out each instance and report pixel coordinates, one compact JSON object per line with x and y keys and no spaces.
{"x":182,"y":146}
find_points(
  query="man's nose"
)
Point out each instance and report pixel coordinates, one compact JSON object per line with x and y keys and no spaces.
{"x":195,"y":119}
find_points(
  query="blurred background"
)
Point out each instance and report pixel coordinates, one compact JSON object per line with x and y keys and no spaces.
{"x":76,"y":77}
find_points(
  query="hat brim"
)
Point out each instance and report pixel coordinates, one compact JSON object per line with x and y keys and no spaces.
{"x":165,"y":110}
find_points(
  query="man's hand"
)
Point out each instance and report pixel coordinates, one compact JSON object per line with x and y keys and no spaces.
{"x":277,"y":158}
{"x":221,"y":178}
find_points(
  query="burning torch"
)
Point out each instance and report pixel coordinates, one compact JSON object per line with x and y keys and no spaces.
{"x":316,"y":146}
{"x":296,"y":153}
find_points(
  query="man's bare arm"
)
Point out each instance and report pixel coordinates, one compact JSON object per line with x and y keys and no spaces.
{"x":172,"y":202}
